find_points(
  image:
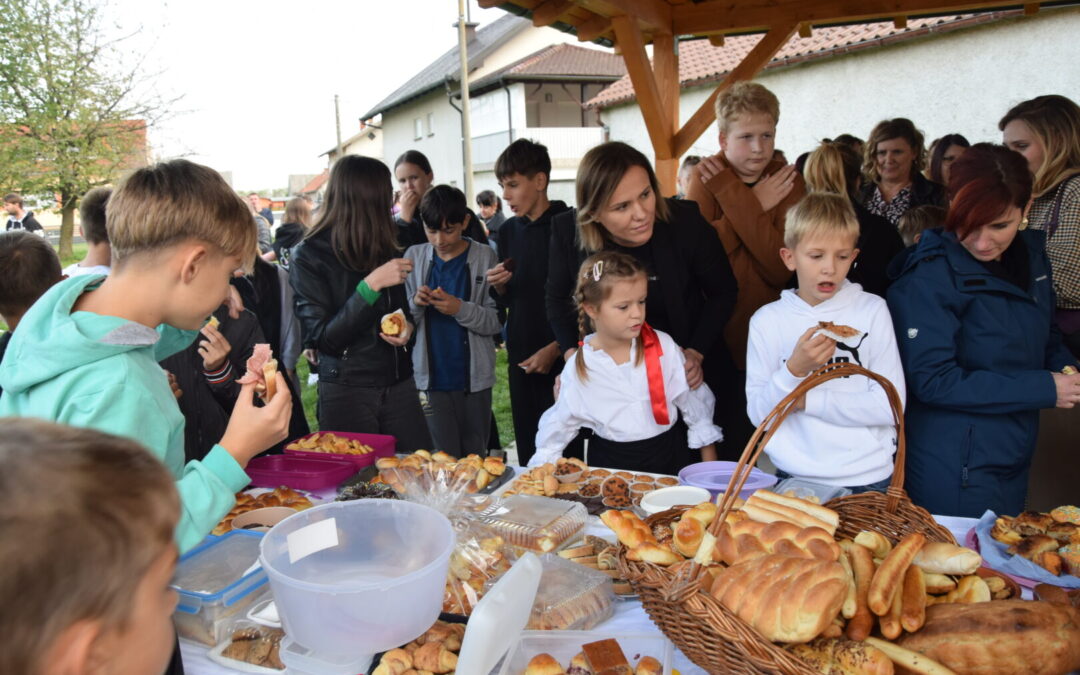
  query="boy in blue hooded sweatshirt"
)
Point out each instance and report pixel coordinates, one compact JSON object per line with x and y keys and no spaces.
{"x":86,"y":354}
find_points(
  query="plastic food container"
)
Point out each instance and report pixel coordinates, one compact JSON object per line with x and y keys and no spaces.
{"x":564,"y":645}
{"x":216,"y":581}
{"x":217,"y":654}
{"x":804,"y":489}
{"x":261,"y":520}
{"x":299,"y":473}
{"x":351,"y":579}
{"x":571,"y":597}
{"x":381,"y":445}
{"x":665,"y":498}
{"x":536,"y":523}
{"x":715,"y":476}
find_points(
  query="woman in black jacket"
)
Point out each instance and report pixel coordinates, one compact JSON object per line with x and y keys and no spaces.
{"x":893,"y":160}
{"x":691,"y":288}
{"x":834,"y":167}
{"x":347,"y":275}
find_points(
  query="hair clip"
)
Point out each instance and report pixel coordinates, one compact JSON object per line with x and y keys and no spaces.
{"x":597,"y":270}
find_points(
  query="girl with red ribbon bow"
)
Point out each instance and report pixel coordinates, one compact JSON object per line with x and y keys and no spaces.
{"x":628,"y":383}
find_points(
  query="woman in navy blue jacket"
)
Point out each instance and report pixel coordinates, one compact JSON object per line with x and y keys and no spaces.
{"x":973,"y":309}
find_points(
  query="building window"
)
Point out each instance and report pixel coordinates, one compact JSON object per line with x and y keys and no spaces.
{"x":431,"y":124}
{"x":418,"y":128}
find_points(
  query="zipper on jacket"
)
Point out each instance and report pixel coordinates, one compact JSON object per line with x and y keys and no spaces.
{"x":967,"y":457}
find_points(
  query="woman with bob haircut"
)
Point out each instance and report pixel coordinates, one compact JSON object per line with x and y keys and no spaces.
{"x":1046,"y":131}
{"x":893,"y":160}
{"x":348,"y":274}
{"x":834,"y":167}
{"x":691,"y":290}
{"x":973,"y":316}
{"x":943,"y":152}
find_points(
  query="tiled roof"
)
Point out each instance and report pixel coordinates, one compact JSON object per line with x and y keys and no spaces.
{"x":701,"y":63}
{"x":317,"y":182}
{"x":560,"y":61}
{"x":487,"y":40}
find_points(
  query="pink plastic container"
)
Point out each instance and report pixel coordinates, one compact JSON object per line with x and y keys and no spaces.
{"x":383,"y":446}
{"x":299,"y":473}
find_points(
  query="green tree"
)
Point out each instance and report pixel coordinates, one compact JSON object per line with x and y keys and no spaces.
{"x":75,"y":107}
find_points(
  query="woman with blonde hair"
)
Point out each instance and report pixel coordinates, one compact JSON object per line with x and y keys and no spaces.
{"x":893,"y":160}
{"x":691,"y":289}
{"x":834,"y":167}
{"x":1046,"y":131}
{"x":291,"y":232}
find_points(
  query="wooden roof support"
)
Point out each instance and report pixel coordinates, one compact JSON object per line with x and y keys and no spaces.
{"x":900,"y":22}
{"x":806,"y":30}
{"x":666,"y":72}
{"x":488,"y":4}
{"x":549,"y":11}
{"x":717,"y":40}
{"x":1031,"y":8}
{"x":757,"y":59}
{"x":655,"y":15}
{"x":632,"y":43}
{"x":590,"y":29}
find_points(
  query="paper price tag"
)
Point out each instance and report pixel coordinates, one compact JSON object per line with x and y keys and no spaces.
{"x":312,"y":539}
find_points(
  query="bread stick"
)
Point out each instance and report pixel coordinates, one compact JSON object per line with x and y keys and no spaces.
{"x":767,"y":512}
{"x":874,"y":541}
{"x":862,"y":564}
{"x":890,"y":576}
{"x":890,"y":623}
{"x":913,"y":614}
{"x":817,"y":511}
{"x":916,"y":663}
{"x":850,"y":602}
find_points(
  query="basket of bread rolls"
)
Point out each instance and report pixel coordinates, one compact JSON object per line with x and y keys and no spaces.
{"x":776,"y":583}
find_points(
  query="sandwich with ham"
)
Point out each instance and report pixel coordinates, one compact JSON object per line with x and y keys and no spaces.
{"x":262,"y":371}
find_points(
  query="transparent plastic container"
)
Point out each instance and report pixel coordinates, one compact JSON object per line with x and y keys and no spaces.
{"x":564,"y":645}
{"x":351,"y":579}
{"x":536,"y":523}
{"x":571,"y":597}
{"x":805,"y":489}
{"x":216,"y":581}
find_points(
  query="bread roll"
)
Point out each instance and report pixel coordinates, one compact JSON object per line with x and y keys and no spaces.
{"x":944,"y":558}
{"x":890,"y":575}
{"x":628,"y":527}
{"x":938,"y":583}
{"x":747,"y":539}
{"x":833,"y":656}
{"x":862,"y":564}
{"x":768,"y":512}
{"x":544,"y":664}
{"x":435,"y":657}
{"x":1006,"y":637}
{"x":890,"y":622}
{"x":704,"y":512}
{"x":913,"y":612}
{"x":688,"y":534}
{"x":850,"y":601}
{"x":786,"y":599}
{"x":653,"y":553}
{"x":816,"y":510}
{"x":875,"y":541}
{"x":648,"y":666}
{"x":908,"y":661}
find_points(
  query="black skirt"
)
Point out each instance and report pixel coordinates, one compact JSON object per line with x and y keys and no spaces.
{"x":666,"y":453}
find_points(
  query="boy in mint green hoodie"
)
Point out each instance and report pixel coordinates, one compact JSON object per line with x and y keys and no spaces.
{"x":87,"y":352}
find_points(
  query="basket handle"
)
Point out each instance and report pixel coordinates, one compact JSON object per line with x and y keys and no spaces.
{"x":765,"y":431}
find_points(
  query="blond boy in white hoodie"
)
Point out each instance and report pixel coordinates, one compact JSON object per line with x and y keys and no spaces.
{"x":842,"y":432}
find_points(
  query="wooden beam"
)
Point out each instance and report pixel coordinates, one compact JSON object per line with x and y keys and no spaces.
{"x":666,"y":72}
{"x":488,"y":4}
{"x":752,"y":63}
{"x":900,"y":22}
{"x":632,"y":43}
{"x":548,"y":12}
{"x":593,"y":28}
{"x":1031,"y":8}
{"x":760,"y":15}
{"x":806,"y":30}
{"x":717,"y":40}
{"x":654,"y":14}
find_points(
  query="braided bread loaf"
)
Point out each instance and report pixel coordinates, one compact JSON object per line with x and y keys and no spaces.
{"x":786,"y":599}
{"x":747,"y":539}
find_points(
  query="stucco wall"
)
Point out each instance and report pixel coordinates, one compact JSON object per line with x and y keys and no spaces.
{"x":959,"y":82}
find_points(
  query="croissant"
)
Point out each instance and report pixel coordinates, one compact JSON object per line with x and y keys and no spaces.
{"x":435,"y":657}
{"x":394,"y":662}
{"x":688,"y":535}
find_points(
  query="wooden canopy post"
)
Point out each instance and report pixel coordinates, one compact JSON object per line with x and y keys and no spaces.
{"x":666,"y":72}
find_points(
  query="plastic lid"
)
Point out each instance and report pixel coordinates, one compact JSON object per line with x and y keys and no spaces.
{"x":500,"y":616}
{"x":216,"y":566}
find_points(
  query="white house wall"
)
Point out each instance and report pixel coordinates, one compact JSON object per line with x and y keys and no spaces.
{"x":442,"y":146}
{"x":959,"y":82}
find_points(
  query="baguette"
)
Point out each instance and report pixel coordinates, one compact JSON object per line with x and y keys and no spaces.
{"x":915,"y":662}
{"x":862,"y":564}
{"x":767,"y":512}
{"x":890,"y":623}
{"x":913,"y":614}
{"x":889,"y":577}
{"x":850,"y":601}
{"x":945,"y":558}
{"x":817,"y":511}
{"x":270,"y":375}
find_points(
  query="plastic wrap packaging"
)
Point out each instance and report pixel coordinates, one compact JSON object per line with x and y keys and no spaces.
{"x":250,"y":648}
{"x":536,"y":523}
{"x":480,"y":555}
{"x":571,"y":597}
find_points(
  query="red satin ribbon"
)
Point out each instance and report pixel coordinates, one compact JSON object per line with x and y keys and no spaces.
{"x":653,"y":351}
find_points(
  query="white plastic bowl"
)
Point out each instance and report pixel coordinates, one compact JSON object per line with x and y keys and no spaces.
{"x":679,"y":495}
{"x":372,"y":578}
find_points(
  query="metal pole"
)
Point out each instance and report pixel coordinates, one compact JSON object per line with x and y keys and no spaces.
{"x":337,"y":120}
{"x":466,"y":123}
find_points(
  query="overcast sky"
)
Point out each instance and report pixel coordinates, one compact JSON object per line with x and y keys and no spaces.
{"x":258,"y":78}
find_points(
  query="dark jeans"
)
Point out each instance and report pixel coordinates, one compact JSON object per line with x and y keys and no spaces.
{"x":393,"y":410}
{"x":459,"y":421}
{"x":879,"y":486}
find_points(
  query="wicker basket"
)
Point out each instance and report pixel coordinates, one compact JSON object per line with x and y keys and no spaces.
{"x":706,"y":632}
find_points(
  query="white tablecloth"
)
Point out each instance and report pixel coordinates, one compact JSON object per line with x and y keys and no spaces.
{"x":629,"y":616}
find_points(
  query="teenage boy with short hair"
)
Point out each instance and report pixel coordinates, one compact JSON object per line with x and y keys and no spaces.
{"x":523,"y":170}
{"x":841,"y":432}
{"x":92,"y":223}
{"x":87,"y":352}
{"x":28,"y":267}
{"x":455,"y":318}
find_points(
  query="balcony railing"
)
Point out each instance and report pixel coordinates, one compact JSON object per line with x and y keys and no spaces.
{"x":563,"y":143}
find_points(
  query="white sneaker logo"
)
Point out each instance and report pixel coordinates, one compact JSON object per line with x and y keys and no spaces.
{"x":912,"y":333}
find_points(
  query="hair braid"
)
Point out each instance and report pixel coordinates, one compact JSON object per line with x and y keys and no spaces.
{"x":583,"y":326}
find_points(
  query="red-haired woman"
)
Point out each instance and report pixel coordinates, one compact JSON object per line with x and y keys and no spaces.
{"x":973,"y":311}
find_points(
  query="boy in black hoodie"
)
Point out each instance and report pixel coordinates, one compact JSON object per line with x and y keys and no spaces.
{"x":523,"y":170}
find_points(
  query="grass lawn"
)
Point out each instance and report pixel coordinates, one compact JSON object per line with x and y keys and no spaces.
{"x":78,"y":252}
{"x":500,"y":398}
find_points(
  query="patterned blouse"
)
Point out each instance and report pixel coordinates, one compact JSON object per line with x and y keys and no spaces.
{"x":1063,"y":247}
{"x":892,"y":211}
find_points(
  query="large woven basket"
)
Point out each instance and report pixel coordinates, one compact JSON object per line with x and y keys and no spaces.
{"x":715,"y":638}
